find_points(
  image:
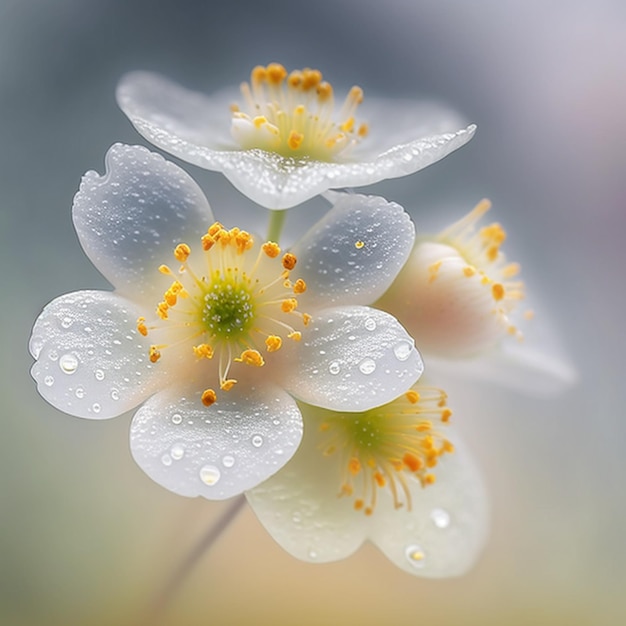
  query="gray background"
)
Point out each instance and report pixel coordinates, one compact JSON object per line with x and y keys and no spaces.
{"x":87,"y":538}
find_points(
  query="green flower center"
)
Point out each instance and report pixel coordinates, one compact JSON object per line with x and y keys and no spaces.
{"x":229,"y":310}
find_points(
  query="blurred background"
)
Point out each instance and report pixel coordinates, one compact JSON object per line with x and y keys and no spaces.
{"x":87,"y":538}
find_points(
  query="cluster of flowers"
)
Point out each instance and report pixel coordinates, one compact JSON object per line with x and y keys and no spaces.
{"x":290,"y":375}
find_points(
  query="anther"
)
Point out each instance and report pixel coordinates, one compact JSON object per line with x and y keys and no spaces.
{"x":182,"y":252}
{"x":141,"y":326}
{"x":299,"y":286}
{"x":154,"y":354}
{"x":273,"y":343}
{"x":208,"y":397}
{"x":289,"y":261}
{"x":271,"y":249}
{"x":251,"y":357}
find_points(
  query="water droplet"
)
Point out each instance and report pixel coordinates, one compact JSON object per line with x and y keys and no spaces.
{"x":68,"y":363}
{"x":79,"y":393}
{"x":228,"y":460}
{"x":177,"y":452}
{"x":36,"y":345}
{"x":415,"y":556}
{"x":209,"y":475}
{"x":257,"y":441}
{"x":367,"y":366}
{"x":95,"y":407}
{"x":53,"y":355}
{"x":312,"y":554}
{"x":370,"y":324}
{"x":177,"y":418}
{"x":403,"y":350}
{"x":166,"y":459}
{"x":66,"y":322}
{"x":440,"y":517}
{"x":334,"y":367}
{"x":49,"y":381}
{"x":99,"y":374}
{"x":115,"y":394}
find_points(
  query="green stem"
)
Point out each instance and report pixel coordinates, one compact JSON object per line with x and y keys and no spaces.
{"x":276,"y":223}
{"x":162,"y":601}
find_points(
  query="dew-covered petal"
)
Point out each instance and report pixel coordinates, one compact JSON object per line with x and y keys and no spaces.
{"x":90,"y":359}
{"x":130,"y":219}
{"x":219,"y":451}
{"x":351,"y":358}
{"x":447,"y":526}
{"x":300,"y":507}
{"x":353,"y":254}
{"x":196,"y":128}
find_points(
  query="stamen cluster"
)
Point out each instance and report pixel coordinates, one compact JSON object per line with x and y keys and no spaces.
{"x":294,"y":115}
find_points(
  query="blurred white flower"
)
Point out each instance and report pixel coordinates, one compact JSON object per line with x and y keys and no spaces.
{"x":216,"y":345}
{"x":286,"y":142}
{"x":460,"y":299}
{"x":391,"y":475}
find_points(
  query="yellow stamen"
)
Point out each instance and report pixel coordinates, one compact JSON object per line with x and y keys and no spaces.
{"x":182,"y":252}
{"x":251,"y":357}
{"x":273,"y":343}
{"x":289,"y":261}
{"x":208,"y":397}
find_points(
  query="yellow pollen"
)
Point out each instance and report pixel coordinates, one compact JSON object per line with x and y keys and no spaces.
{"x":141,"y":326}
{"x":208,"y":397}
{"x":299,"y":286}
{"x":354,"y":466}
{"x":273,"y":343}
{"x":251,"y":357}
{"x":412,"y":396}
{"x":162,"y":310}
{"x":276,"y":73}
{"x":164,"y":269}
{"x":492,"y":252}
{"x":228,"y":384}
{"x":430,"y":479}
{"x":295,"y":140}
{"x":296,"y":335}
{"x":289,"y":305}
{"x":446,"y":414}
{"x":412,"y":462}
{"x":154,"y":354}
{"x":469,"y":270}
{"x":289,"y":261}
{"x":358,"y":245}
{"x":358,"y":504}
{"x":271,"y":249}
{"x":497,"y":291}
{"x":203,"y":351}
{"x":363,"y":130}
{"x":306,"y":318}
{"x":348,"y":125}
{"x":182,"y":252}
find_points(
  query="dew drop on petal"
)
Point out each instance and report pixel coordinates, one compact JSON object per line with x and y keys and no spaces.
{"x":312,"y":554}
{"x":177,"y":418}
{"x":228,"y":460}
{"x":115,"y":394}
{"x":402,"y":350}
{"x":166,"y":459}
{"x":367,"y":366}
{"x":440,"y":518}
{"x":334,"y":368}
{"x":95,"y":407}
{"x":99,"y":374}
{"x":370,"y":324}
{"x":66,"y":322}
{"x":415,"y":556}
{"x":209,"y":475}
{"x":79,"y":393}
{"x":53,"y":355}
{"x":257,"y":441}
{"x":177,"y":452}
{"x":48,"y":381}
{"x":68,"y":363}
{"x":36,"y":345}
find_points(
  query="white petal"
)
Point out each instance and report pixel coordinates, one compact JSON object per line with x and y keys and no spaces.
{"x":162,"y":110}
{"x":353,"y":254}
{"x":352,"y":358}
{"x":91,"y":361}
{"x":447,"y":525}
{"x":195,"y":127}
{"x":300,"y":508}
{"x":392,"y":122}
{"x":219,"y":451}
{"x":130,"y":219}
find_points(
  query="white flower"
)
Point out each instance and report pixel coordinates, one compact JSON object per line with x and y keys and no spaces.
{"x":391,"y":475}
{"x":215,"y":332}
{"x":461,"y":299}
{"x":285,"y":141}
